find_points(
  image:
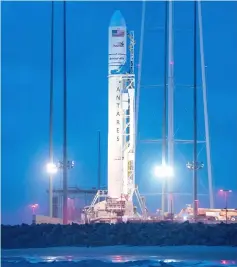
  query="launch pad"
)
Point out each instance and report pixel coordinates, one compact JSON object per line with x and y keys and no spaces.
{"x":112,"y":210}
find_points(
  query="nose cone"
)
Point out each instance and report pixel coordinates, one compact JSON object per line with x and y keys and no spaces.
{"x":117,"y":20}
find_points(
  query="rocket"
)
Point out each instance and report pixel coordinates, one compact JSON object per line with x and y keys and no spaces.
{"x":117,"y":59}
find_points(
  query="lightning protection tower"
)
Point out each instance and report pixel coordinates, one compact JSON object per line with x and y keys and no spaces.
{"x":171,"y":141}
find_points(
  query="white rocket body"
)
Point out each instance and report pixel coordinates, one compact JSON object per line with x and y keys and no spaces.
{"x":117,"y":59}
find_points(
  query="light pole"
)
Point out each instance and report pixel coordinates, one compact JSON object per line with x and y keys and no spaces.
{"x":171,"y":201}
{"x":33,"y":208}
{"x":194,"y":167}
{"x":163,"y":171}
{"x":51,"y":170}
{"x":226,"y":191}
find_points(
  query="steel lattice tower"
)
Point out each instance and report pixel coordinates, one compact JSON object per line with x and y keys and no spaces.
{"x":171,"y":141}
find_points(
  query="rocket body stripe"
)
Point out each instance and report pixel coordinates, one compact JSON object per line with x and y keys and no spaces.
{"x":114,"y":139}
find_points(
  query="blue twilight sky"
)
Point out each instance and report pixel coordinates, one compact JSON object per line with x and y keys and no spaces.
{"x":25,"y":97}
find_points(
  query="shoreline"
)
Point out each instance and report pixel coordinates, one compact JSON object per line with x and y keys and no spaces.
{"x":161,"y":252}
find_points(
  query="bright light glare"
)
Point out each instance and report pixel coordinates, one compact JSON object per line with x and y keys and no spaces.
{"x":164,"y":171}
{"x":51,"y":168}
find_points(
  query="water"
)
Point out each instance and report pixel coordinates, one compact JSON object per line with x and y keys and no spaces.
{"x":122,"y":257}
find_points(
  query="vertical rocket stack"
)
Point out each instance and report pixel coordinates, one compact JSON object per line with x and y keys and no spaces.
{"x":118,"y":202}
{"x":121,"y":130}
{"x":117,"y":60}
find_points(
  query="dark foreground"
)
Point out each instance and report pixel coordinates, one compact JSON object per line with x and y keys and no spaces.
{"x":143,"y":234}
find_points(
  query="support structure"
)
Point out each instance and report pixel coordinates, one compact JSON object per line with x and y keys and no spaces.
{"x":171,"y":85}
{"x":73,"y":193}
{"x":127,"y":89}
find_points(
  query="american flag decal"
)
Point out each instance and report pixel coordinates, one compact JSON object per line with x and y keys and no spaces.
{"x":117,"y":33}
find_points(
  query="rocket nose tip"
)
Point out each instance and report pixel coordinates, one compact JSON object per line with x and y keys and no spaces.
{"x":117,"y":19}
{"x":117,"y":13}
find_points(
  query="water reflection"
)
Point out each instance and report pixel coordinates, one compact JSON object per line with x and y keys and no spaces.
{"x":227,"y":262}
{"x":150,"y":260}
